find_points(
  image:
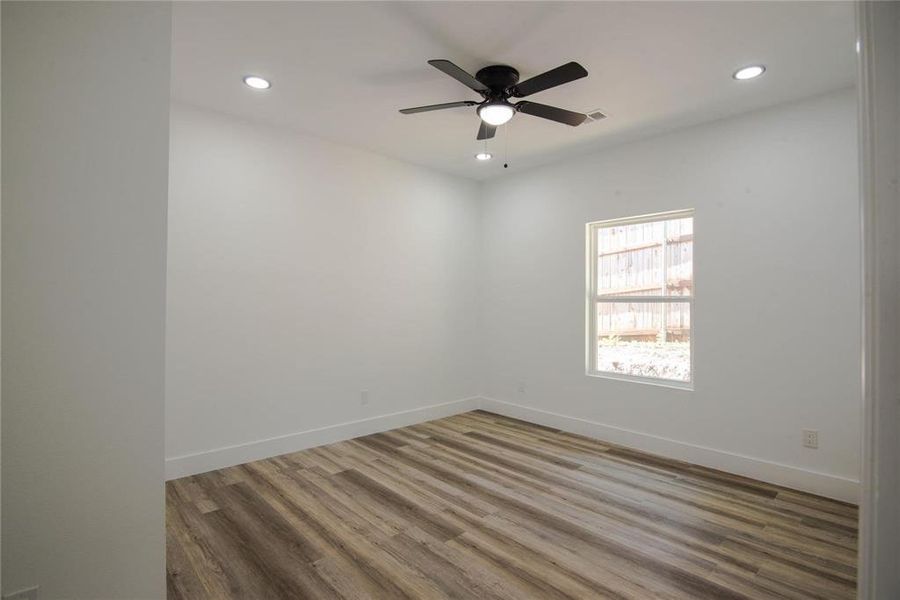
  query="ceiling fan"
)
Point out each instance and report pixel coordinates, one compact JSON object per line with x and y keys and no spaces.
{"x":497,"y":84}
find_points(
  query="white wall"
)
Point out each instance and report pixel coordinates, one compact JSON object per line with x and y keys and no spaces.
{"x":301,"y":272}
{"x":879,"y":28}
{"x":85,"y":142}
{"x":777,"y":306}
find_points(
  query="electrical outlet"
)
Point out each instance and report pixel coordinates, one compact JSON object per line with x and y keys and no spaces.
{"x":810,"y":438}
{"x":363,"y":397}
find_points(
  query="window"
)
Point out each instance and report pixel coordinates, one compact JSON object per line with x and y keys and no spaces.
{"x":640,"y":298}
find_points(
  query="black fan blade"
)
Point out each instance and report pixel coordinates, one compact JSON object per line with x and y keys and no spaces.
{"x":418,"y":109}
{"x":458,"y":74}
{"x":551,"y":112}
{"x":552,"y":78}
{"x":485,"y":131}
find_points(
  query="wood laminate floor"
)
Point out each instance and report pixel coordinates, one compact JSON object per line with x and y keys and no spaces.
{"x":488,"y":507}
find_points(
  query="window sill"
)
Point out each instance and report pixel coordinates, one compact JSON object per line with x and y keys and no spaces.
{"x":666,"y":383}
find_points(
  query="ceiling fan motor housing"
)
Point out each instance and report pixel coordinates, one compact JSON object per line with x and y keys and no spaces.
{"x":499,"y":78}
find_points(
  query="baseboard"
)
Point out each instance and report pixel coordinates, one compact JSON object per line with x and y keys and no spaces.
{"x":30,"y":593}
{"x":201,"y":462}
{"x":823,"y":484}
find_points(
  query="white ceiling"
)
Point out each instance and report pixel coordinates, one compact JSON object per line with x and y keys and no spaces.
{"x":341,"y":70}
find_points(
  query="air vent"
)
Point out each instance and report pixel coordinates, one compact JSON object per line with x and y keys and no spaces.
{"x":594,"y":115}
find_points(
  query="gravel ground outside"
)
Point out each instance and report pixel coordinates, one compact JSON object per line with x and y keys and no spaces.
{"x":671,"y":360}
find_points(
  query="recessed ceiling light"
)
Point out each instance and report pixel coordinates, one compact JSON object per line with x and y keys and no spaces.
{"x":257,"y":83}
{"x":484,"y":156}
{"x":496,"y":113}
{"x":750,"y":72}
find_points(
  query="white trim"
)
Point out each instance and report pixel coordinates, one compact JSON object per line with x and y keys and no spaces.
{"x":686,"y":386}
{"x":823,"y":484}
{"x":868,"y":521}
{"x":878,"y":79}
{"x":681,"y":213}
{"x":29,"y":593}
{"x":201,"y":462}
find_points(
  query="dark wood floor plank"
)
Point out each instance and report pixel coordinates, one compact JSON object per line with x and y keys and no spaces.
{"x":182,"y":580}
{"x":485,"y":506}
{"x":258,"y":517}
{"x":371,"y":492}
{"x":195,"y":544}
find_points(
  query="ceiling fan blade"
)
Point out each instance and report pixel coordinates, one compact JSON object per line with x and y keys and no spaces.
{"x":551,"y":112}
{"x":418,"y":109}
{"x":458,"y":74}
{"x":552,"y":78}
{"x":485,"y":131}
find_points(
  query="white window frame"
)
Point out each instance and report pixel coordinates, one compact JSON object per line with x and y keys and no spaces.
{"x":592,"y":298}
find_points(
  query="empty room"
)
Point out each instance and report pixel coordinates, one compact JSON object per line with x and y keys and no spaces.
{"x":488,"y":300}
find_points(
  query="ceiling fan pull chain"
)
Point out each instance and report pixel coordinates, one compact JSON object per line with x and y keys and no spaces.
{"x":507,"y":131}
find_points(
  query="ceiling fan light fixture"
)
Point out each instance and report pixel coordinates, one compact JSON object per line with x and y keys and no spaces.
{"x":496,"y":113}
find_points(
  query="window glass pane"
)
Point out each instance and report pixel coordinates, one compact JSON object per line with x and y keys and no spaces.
{"x":645,"y":259}
{"x":629,"y":259}
{"x":646,"y":339}
{"x":679,"y":257}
